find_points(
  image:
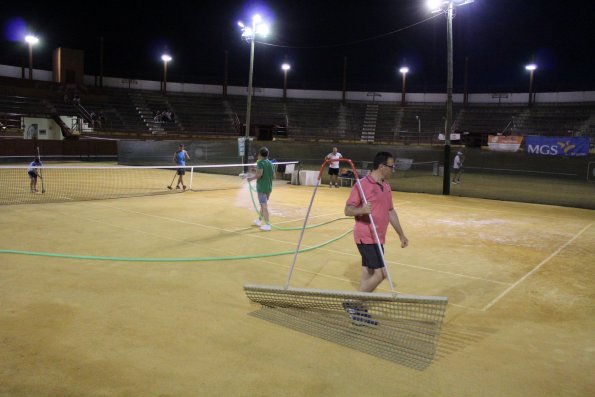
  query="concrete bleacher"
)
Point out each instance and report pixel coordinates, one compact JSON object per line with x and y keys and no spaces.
{"x":555,"y":120}
{"x":490,"y":119}
{"x":202,"y":114}
{"x":127,"y":111}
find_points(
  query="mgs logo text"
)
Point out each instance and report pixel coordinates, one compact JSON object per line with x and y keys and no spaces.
{"x":557,"y":146}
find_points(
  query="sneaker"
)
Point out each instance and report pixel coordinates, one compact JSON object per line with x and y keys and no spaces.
{"x":336,"y":185}
{"x":184,"y":187}
{"x":177,"y":187}
{"x":265,"y":228}
{"x":358,"y":315}
{"x":257,"y":222}
{"x":331,"y":186}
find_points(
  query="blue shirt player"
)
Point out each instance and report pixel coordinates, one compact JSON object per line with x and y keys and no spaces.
{"x":180,"y":158}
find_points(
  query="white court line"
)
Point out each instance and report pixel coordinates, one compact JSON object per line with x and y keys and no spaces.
{"x":543,"y":262}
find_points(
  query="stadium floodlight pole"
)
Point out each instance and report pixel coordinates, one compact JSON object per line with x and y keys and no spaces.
{"x":531,"y":68}
{"x":447,"y":7}
{"x":31,"y":40}
{"x":404,"y":70}
{"x":249,"y":34}
{"x":285,"y":68}
{"x":165,"y":58}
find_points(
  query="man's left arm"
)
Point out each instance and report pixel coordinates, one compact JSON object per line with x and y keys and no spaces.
{"x":394,"y":221}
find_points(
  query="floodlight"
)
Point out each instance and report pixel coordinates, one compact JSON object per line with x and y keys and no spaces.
{"x":531,"y":67}
{"x":262,"y":29}
{"x":404,"y":70}
{"x":166,"y":58}
{"x":31,"y":39}
{"x":286,"y":66}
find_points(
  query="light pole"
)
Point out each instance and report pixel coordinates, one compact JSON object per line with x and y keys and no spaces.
{"x":404,"y":70}
{"x":418,"y":128}
{"x":165,"y":58}
{"x":285,"y":68}
{"x":447,"y":7}
{"x":531,"y":68}
{"x":249,"y":34}
{"x":31,"y":40}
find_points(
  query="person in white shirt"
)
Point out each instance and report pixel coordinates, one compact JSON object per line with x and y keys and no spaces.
{"x":333,"y":169}
{"x":457,"y":166}
{"x":34,"y":172}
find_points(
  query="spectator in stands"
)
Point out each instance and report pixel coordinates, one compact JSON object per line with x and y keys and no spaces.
{"x":180,"y":158}
{"x":380,"y":208}
{"x":33,"y":172}
{"x":76,"y":99}
{"x":264,"y":187}
{"x":157,"y":117}
{"x":457,"y":166}
{"x":333,"y":169}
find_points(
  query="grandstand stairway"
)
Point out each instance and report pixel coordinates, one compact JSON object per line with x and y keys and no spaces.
{"x":370,"y":119}
{"x":146,"y":114}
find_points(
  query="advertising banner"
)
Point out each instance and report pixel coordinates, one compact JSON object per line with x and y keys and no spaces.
{"x":557,"y":146}
{"x":500,"y":143}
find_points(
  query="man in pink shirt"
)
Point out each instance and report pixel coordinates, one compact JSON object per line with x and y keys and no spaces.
{"x":380,"y":206}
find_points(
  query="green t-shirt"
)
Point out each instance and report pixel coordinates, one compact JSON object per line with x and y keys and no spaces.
{"x":265,"y":183}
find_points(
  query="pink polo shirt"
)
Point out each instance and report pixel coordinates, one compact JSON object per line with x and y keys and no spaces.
{"x":380,"y":196}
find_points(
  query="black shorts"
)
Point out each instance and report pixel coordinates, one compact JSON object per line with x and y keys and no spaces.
{"x":32,"y":174}
{"x":333,"y":171}
{"x":371,"y":257}
{"x":181,"y":171}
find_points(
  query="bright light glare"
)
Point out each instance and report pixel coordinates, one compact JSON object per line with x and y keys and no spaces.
{"x":240,"y":24}
{"x":165,"y":58}
{"x":434,"y":5}
{"x":257,"y":18}
{"x":247,"y":33}
{"x":262,"y":30}
{"x":286,"y":66}
{"x":31,"y":39}
{"x":404,"y":70}
{"x":531,"y":67}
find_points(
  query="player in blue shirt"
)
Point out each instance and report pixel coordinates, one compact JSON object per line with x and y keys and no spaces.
{"x":180,"y":158}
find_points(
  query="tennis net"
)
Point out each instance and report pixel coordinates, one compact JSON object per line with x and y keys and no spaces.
{"x":79,"y":183}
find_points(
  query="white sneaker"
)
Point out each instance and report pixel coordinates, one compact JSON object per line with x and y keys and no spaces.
{"x":265,"y":228}
{"x":257,"y":222}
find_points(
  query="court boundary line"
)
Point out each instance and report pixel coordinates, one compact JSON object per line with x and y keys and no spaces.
{"x":536,"y":268}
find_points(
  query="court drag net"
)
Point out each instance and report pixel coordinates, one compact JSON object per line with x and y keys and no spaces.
{"x":78,"y":183}
{"x":397,"y":327}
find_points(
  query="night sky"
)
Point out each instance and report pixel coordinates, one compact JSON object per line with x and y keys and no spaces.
{"x":499,"y":37}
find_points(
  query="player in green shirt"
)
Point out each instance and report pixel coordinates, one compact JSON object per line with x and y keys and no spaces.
{"x":264,"y":187}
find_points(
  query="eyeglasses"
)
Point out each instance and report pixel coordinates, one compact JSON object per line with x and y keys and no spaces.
{"x":392,"y":166}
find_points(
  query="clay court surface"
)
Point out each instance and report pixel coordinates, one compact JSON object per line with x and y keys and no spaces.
{"x":519,"y":279}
